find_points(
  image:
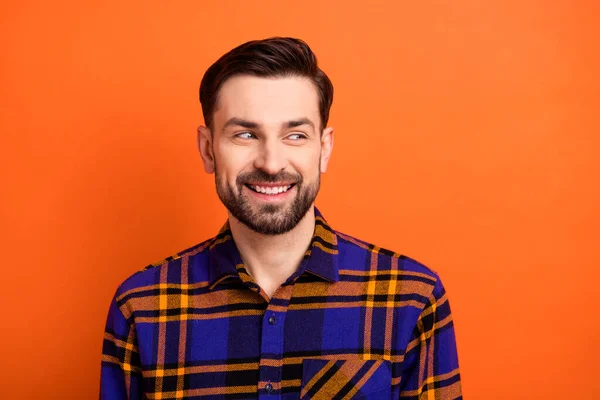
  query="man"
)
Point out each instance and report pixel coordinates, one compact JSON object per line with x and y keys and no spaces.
{"x":278,"y":305}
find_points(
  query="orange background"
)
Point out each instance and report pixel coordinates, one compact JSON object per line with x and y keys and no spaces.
{"x":467,"y":138}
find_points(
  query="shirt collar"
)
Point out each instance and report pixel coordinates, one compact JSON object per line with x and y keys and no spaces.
{"x":320,"y":259}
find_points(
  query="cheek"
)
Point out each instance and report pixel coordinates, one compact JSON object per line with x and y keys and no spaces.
{"x":307,"y":164}
{"x":231,"y":161}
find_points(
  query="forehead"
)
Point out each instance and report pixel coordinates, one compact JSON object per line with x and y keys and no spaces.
{"x":267,"y":100}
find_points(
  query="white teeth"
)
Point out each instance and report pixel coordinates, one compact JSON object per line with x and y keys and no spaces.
{"x":271,"y":190}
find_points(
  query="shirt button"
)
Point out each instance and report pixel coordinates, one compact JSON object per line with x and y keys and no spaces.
{"x":269,"y":387}
{"x":272,"y":320}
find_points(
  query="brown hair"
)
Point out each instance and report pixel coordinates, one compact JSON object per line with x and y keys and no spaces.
{"x":269,"y":58}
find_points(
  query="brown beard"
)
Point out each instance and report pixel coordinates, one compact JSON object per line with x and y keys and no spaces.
{"x":270,"y":219}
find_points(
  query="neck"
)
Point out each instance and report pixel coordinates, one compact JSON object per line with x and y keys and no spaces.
{"x":271,"y":259}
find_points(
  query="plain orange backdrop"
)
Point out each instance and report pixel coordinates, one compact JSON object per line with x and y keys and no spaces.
{"x":466,"y":137}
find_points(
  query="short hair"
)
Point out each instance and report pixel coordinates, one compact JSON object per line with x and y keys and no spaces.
{"x":269,"y":58}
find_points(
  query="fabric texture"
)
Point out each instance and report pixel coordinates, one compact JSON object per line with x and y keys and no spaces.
{"x":354,"y":322}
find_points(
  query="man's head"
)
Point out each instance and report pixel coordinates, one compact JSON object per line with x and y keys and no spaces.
{"x":266,"y":105}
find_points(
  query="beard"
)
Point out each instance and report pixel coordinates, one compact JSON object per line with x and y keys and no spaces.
{"x":267,"y":219}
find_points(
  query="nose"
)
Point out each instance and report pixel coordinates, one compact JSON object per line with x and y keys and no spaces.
{"x":271,"y":157}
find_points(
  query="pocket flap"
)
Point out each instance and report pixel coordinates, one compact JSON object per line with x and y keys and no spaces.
{"x":345,"y":379}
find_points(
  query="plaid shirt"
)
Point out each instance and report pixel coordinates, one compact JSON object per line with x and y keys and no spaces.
{"x":354,"y":321}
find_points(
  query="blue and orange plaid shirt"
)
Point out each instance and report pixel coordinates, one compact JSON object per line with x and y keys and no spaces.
{"x":354,"y":322}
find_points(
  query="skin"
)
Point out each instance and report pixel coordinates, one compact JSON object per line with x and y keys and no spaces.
{"x":268,"y":127}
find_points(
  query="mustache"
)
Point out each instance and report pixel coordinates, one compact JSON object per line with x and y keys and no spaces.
{"x":262,"y":176}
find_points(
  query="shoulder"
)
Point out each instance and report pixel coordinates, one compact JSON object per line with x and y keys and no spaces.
{"x":168,"y":269}
{"x":358,"y":257}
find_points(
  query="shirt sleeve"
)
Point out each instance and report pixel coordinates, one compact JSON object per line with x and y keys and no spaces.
{"x":431,"y":360}
{"x":120,"y":375}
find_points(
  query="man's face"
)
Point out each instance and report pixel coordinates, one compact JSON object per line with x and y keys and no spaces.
{"x":267,"y":150}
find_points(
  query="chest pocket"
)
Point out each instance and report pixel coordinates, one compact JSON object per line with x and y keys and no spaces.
{"x":345,"y":379}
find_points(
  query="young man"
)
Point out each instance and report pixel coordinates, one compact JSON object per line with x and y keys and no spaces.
{"x":278,"y":305}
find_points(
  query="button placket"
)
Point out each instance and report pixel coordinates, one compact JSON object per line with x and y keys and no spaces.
{"x":270,"y":368}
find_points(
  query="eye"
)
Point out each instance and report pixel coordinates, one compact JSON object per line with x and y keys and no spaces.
{"x":296,"y":136}
{"x":245,"y":135}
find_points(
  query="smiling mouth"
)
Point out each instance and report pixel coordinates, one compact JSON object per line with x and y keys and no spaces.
{"x":270,"y":190}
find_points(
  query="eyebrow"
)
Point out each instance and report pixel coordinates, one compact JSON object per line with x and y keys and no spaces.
{"x":253,"y":125}
{"x":240,"y":122}
{"x":299,"y":122}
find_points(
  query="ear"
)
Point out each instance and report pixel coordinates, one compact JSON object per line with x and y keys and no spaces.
{"x":326,"y":147}
{"x":206,"y":149}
